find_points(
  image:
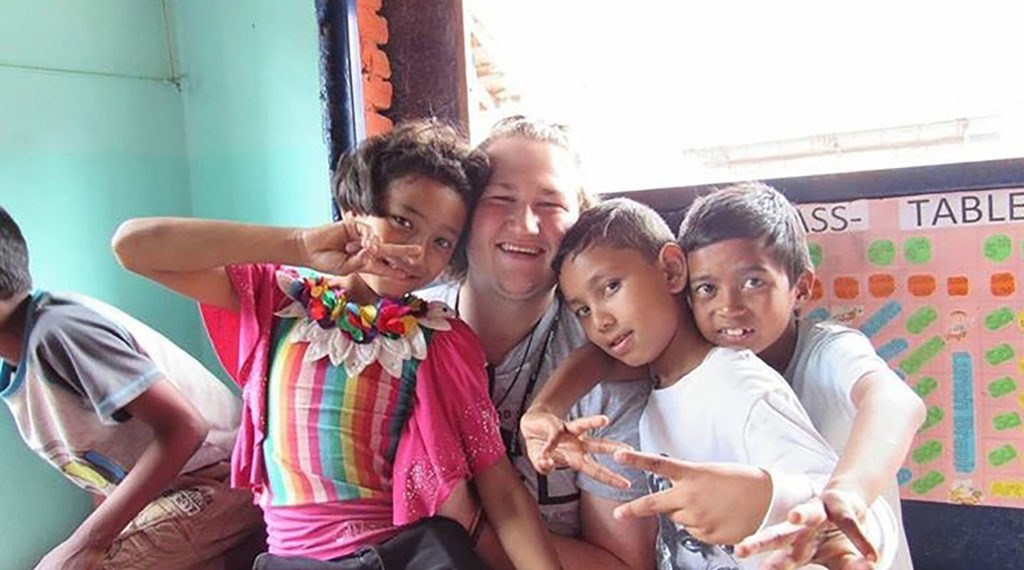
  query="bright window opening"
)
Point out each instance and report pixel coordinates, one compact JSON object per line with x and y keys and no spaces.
{"x":665,"y":93}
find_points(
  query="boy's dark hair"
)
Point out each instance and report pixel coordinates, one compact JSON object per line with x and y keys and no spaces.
{"x":751,"y":210}
{"x":14,"y":275}
{"x":540,"y":130}
{"x":618,"y":223}
{"x":425,"y":147}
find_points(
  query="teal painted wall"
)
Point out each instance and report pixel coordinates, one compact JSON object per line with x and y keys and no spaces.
{"x":93,"y":131}
{"x":252,"y":111}
{"x":79,"y":152}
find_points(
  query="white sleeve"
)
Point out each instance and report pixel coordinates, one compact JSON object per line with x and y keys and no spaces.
{"x":780,"y":439}
{"x":835,"y":366}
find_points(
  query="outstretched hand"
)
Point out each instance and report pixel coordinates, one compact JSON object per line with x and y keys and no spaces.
{"x":552,"y":442}
{"x":719,"y":503}
{"x":825,"y":546}
{"x":74,"y":553}
{"x":348,"y":246}
{"x":826,"y":530}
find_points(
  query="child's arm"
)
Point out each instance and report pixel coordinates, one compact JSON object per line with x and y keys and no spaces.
{"x":178,"y":431}
{"x":808,"y":536}
{"x":513,"y":514}
{"x":827,"y":547}
{"x":773,"y":454}
{"x":888,"y":415}
{"x":189,"y":255}
{"x":577,"y":375}
{"x":550,"y":441}
{"x":718,"y":503}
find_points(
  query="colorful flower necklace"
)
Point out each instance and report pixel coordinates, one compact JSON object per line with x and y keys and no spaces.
{"x":354,"y":335}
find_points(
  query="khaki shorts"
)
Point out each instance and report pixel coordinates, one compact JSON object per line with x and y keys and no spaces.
{"x":190,"y":526}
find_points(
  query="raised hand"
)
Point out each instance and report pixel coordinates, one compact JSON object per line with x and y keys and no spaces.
{"x":847,"y":510}
{"x":826,"y":530}
{"x":552,"y":443}
{"x":348,"y":246}
{"x":836,"y":552}
{"x":825,"y":546}
{"x":719,"y":503}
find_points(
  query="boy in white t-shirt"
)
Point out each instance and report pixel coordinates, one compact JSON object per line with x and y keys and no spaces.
{"x":749,"y":272}
{"x":623,"y":275}
{"x":125,"y":414}
{"x":750,"y":234}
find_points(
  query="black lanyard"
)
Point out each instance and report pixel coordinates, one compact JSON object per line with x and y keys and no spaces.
{"x":531,"y":384}
{"x":514,"y":445}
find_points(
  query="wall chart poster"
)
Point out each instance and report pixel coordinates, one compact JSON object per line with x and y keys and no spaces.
{"x":935,"y":282}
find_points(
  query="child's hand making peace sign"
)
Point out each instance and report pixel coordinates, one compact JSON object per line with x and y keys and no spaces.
{"x":808,"y":534}
{"x":552,"y":443}
{"x":348,"y":246}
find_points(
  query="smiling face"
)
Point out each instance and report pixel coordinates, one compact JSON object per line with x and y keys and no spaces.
{"x":627,"y":304}
{"x":528,"y":205}
{"x":741,"y":296}
{"x":418,"y":211}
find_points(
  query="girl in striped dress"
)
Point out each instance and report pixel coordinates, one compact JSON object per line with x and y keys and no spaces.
{"x":366,"y":412}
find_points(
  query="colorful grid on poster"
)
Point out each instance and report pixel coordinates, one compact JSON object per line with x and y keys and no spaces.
{"x":934,"y":281}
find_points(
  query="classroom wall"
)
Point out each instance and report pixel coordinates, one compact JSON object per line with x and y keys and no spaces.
{"x":90,"y":133}
{"x":94,"y":129}
{"x":252,"y":110}
{"x":252,"y":113}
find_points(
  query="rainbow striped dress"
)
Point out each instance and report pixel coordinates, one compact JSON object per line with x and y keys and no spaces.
{"x":363,"y":417}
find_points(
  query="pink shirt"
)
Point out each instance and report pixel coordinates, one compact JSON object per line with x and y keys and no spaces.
{"x":337,"y":460}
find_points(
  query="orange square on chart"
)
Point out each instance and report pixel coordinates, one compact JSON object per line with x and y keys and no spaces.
{"x":817,"y":290}
{"x":921,"y":285}
{"x":846,"y":287}
{"x":1003,"y":284}
{"x":957,"y":286}
{"x":881,"y":285}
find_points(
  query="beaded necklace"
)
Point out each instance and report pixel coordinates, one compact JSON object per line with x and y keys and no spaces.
{"x":354,"y":335}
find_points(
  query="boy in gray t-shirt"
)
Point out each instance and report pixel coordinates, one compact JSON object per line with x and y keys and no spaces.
{"x":125,"y":414}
